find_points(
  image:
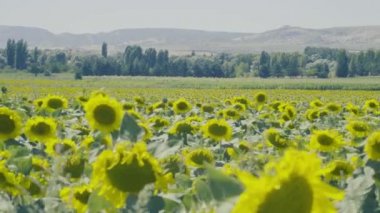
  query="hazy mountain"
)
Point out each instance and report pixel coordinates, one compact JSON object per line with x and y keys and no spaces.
{"x":179,"y":40}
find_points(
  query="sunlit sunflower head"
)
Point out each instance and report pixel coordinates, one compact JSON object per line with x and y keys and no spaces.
{"x":323,"y":113}
{"x":54,"y":102}
{"x":182,"y":127}
{"x":125,"y":170}
{"x":291,"y":111}
{"x":372,"y":146}
{"x":333,"y":107}
{"x":241,"y":100}
{"x":352,"y":108}
{"x":358,"y":129}
{"x":76,"y":197}
{"x":316,"y":103}
{"x":40,"y":129}
{"x":60,"y":147}
{"x":198,"y":157}
{"x":217,"y":130}
{"x":239,"y":107}
{"x":38,"y":103}
{"x":312,"y":114}
{"x":292,"y":184}
{"x":261,"y":98}
{"x":371,"y":105}
{"x":275,"y":105}
{"x":104,"y":114}
{"x":40,"y":164}
{"x":244,"y":146}
{"x":273,"y":136}
{"x":338,"y":170}
{"x":158,"y":122}
{"x":82,"y":100}
{"x":231,"y":113}
{"x":326,"y":140}
{"x":207,"y":108}
{"x":10,"y":124}
{"x":181,"y":106}
{"x":9,"y":182}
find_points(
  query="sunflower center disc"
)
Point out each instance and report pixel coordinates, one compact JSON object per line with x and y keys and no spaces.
{"x":105,"y":114}
{"x":200,"y":159}
{"x":295,"y":195}
{"x":182,"y":106}
{"x":376,"y":147}
{"x":325,"y":140}
{"x":7,"y":125}
{"x":41,"y":129}
{"x":55,"y":103}
{"x":217,"y":130}
{"x":82,"y":196}
{"x":359,"y":128}
{"x":131,"y":177}
{"x":260,"y":98}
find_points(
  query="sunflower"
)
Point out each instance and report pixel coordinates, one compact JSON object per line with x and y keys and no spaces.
{"x":172,"y":164}
{"x":10,"y":124}
{"x":333,"y":107}
{"x":371,"y":105}
{"x":261,"y":98}
{"x":244,"y":146}
{"x":242,"y":100}
{"x":59,"y":147}
{"x":207,"y":108}
{"x":273,"y":136}
{"x":292,"y":184}
{"x":41,"y":129}
{"x":338,"y":169}
{"x":312,"y":114}
{"x":316,"y":103}
{"x":326,"y":140}
{"x":182,"y":127}
{"x":239,"y":107}
{"x":126,"y":170}
{"x":76,"y":197}
{"x":181,"y":106}
{"x":158,"y":122}
{"x":104,"y":114}
{"x":128,"y":106}
{"x":54,"y":102}
{"x":231,"y":113}
{"x":35,"y":184}
{"x":217,"y":130}
{"x":38,"y":103}
{"x":198,"y":157}
{"x":352,"y":108}
{"x":40,"y":164}
{"x":74,"y":166}
{"x":139,"y":100}
{"x":372,"y":146}
{"x":358,"y":129}
{"x":9,"y":183}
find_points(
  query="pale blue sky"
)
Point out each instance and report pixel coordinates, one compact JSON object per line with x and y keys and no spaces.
{"x":80,"y":16}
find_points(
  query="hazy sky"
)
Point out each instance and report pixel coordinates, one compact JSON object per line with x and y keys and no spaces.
{"x":80,"y":16}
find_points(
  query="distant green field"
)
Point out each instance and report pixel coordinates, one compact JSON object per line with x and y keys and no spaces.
{"x":358,"y":83}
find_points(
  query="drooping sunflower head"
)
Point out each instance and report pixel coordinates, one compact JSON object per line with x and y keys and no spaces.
{"x":352,"y":108}
{"x":358,"y":129}
{"x":181,"y":106}
{"x":244,"y":146}
{"x":10,"y":124}
{"x":9,"y":182}
{"x":326,"y":140}
{"x":104,"y":114}
{"x":316,"y":103}
{"x":274,"y":137}
{"x":35,"y":184}
{"x":158,"y":122}
{"x":333,"y":107}
{"x":217,"y":130}
{"x":241,"y":100}
{"x":198,"y":157}
{"x":182,"y":127}
{"x":40,"y":129}
{"x":239,"y":107}
{"x":54,"y":102}
{"x":40,"y":164}
{"x":338,"y":169}
{"x":207,"y":108}
{"x":172,"y":164}
{"x":312,"y":114}
{"x":261,"y":98}
{"x":60,"y":147}
{"x":125,"y":170}
{"x":372,"y":146}
{"x":74,"y":166}
{"x":77,"y":197}
{"x":292,"y":184}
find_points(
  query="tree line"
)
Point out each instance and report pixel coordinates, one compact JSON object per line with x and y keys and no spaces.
{"x":136,"y":61}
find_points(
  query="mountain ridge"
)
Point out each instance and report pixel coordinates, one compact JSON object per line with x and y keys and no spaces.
{"x":283,"y":39}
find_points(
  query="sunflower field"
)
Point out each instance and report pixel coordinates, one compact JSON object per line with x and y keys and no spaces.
{"x":147,"y":150}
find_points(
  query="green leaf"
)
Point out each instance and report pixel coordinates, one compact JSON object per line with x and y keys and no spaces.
{"x":23,"y":164}
{"x":222,"y":186}
{"x":202,"y":191}
{"x":97,"y":203}
{"x":130,"y":130}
